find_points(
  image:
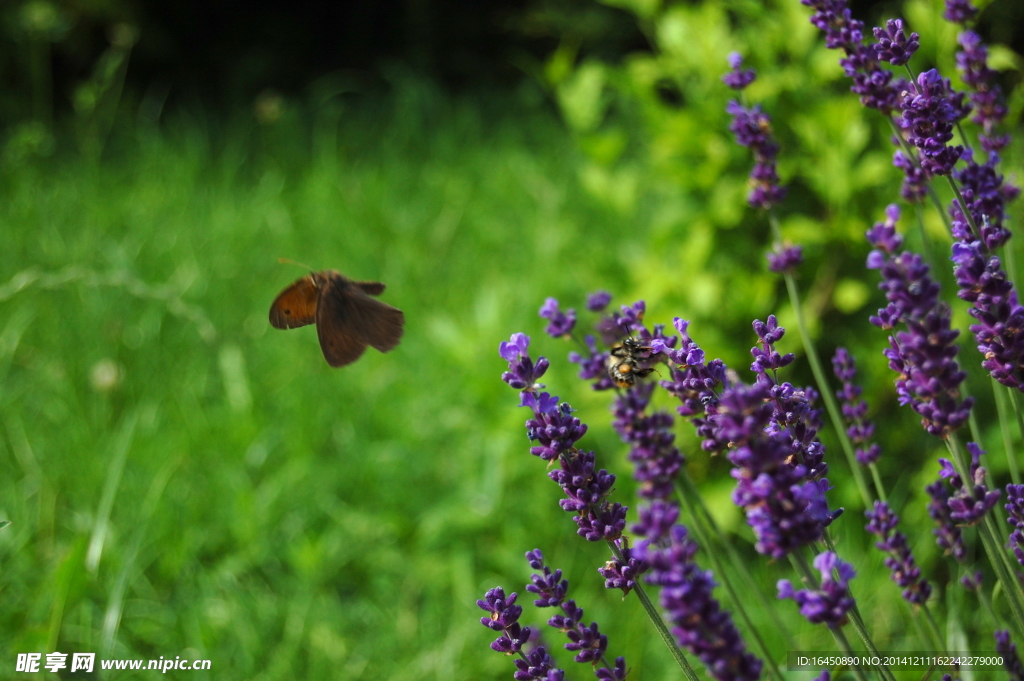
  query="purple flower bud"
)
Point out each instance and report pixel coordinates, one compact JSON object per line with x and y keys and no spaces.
{"x":555,"y":430}
{"x":858,"y":428}
{"x":1015,"y":509}
{"x":537,"y":665}
{"x":616,"y":674}
{"x":598,"y":301}
{"x":929,"y":114}
{"x":959,"y":11}
{"x":562,"y":323}
{"x":522,"y":374}
{"x":699,"y":623}
{"x":738,"y":78}
{"x":893,"y":44}
{"x":752,"y":128}
{"x":1011,"y":661}
{"x":623,"y":574}
{"x":785,"y":259}
{"x":947,"y":535}
{"x":549,"y":586}
{"x":900,"y":561}
{"x":831,"y":601}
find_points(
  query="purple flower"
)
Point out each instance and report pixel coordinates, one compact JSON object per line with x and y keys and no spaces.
{"x":622,"y":574}
{"x":793,"y":414}
{"x":753,"y":129}
{"x":553,"y":426}
{"x":586,"y":490}
{"x":738,"y":78}
{"x":656,"y":459}
{"x":883,"y":522}
{"x":1000,"y":331}
{"x":598,"y":301}
{"x":587,"y":642}
{"x":986,"y":197}
{"x":972,"y":582}
{"x":959,"y":11}
{"x":699,"y":623}
{"x":785,"y":259}
{"x":871,"y":82}
{"x":656,"y":520}
{"x":915,"y":179}
{"x":924,"y":355}
{"x":537,"y":664}
{"x":562,"y":323}
{"x":616,"y":674}
{"x":986,"y":95}
{"x":504,"y":617}
{"x":593,"y":365}
{"x":1015,"y":509}
{"x":893,"y":44}
{"x":1011,"y":661}
{"x":783,"y":507}
{"x":858,"y":428}
{"x":831,"y":601}
{"x":929,"y":114}
{"x":768,"y":359}
{"x":549,"y":586}
{"x":522,"y":374}
{"x":948,"y":536}
{"x":971,"y":499}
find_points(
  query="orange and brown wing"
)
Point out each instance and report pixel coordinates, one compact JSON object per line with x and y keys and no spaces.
{"x":337,"y":325}
{"x":295,"y":306}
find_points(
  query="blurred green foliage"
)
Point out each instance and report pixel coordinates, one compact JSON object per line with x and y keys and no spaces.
{"x":181,"y":479}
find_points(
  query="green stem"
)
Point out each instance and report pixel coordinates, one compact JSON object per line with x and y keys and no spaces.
{"x":879,"y":487}
{"x":658,"y":622}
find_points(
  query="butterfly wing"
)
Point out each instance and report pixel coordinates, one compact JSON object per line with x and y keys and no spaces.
{"x":374,"y":288}
{"x":382,"y":325}
{"x":295,"y":306}
{"x":337,"y":322}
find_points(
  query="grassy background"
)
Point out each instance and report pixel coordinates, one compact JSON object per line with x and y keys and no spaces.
{"x":184,"y":480}
{"x":231,"y":497}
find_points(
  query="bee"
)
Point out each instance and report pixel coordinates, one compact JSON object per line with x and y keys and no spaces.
{"x":628,"y":361}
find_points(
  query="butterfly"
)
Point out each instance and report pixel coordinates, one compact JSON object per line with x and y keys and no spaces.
{"x":347,"y":318}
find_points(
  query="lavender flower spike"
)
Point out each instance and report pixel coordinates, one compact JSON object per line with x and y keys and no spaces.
{"x":971,"y":499}
{"x":1011,"y":661}
{"x":522,"y":373}
{"x":752,"y":128}
{"x":699,"y":623}
{"x":959,"y":11}
{"x":929,"y":114}
{"x":829,"y":603}
{"x":859,"y":429}
{"x":738,"y":78}
{"x":905,"y":572}
{"x":924,"y":355}
{"x":893,"y":44}
{"x":598,"y":301}
{"x":587,"y":641}
{"x":785,"y":259}
{"x":561,"y":323}
{"x":1015,"y":509}
{"x":504,"y":617}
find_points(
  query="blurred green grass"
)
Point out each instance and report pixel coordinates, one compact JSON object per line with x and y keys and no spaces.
{"x":184,"y":480}
{"x":281,"y":518}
